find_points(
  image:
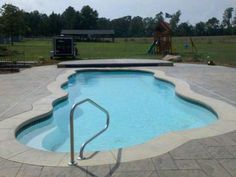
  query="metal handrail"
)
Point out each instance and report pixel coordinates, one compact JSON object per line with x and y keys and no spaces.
{"x":72,"y":152}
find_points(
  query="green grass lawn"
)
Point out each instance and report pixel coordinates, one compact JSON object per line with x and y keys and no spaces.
{"x":221,"y":50}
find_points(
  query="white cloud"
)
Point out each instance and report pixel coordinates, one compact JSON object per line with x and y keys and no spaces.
{"x":192,"y":10}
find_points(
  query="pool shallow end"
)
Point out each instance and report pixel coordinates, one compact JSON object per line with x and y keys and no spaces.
{"x":11,"y":149}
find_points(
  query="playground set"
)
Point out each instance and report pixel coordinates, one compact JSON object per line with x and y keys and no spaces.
{"x":162,"y":42}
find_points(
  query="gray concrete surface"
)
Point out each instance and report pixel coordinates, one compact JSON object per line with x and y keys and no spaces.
{"x":215,"y":81}
{"x":209,"y":157}
{"x":19,"y":90}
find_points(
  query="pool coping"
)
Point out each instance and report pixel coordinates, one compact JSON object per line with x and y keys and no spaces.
{"x":13,"y":150}
{"x":113,"y":63}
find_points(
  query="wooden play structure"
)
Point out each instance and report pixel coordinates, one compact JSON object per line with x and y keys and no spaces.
{"x":162,"y":42}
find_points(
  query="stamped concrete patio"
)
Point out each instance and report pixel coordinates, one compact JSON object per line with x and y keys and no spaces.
{"x":209,"y":157}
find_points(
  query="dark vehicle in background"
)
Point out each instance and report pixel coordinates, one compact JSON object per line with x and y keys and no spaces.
{"x":63,"y":47}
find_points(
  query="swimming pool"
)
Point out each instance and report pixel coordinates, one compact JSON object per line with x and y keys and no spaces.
{"x":141,"y":108}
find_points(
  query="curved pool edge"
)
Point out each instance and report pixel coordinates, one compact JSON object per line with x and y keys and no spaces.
{"x":11,"y":149}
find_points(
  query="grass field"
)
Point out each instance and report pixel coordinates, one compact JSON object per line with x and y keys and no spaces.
{"x":220,"y":49}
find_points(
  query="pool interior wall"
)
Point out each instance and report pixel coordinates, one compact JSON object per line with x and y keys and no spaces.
{"x":141,"y":108}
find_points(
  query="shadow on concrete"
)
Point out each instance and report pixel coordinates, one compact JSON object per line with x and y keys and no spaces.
{"x":92,"y":155}
{"x":117,"y":164}
{"x":110,"y":172}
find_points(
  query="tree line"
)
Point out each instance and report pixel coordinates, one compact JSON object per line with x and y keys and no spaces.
{"x":14,"y":21}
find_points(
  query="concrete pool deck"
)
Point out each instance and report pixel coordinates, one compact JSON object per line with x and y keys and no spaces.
{"x":206,"y":157}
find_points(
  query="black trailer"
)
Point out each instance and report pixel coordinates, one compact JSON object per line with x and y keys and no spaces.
{"x":63,"y":47}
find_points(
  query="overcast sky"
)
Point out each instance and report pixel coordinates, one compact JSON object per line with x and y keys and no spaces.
{"x":192,"y":10}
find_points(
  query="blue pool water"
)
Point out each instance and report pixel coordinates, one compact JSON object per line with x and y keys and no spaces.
{"x":140,"y":106}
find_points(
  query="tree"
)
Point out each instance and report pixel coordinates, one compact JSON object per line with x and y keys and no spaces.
{"x":33,"y":21}
{"x":44,"y":25}
{"x":234,"y":23}
{"x":149,"y":25}
{"x":121,"y":26}
{"x":136,"y":27}
{"x":12,"y":21}
{"x":159,"y":17}
{"x":77,"y":20}
{"x":200,"y":29}
{"x":69,"y":18}
{"x":234,"y":20}
{"x":1,"y":25}
{"x":175,"y":20}
{"x":55,"y":24}
{"x":213,"y":26}
{"x":103,"y":23}
{"x":89,"y":18}
{"x":185,"y":29}
{"x":227,"y":17}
